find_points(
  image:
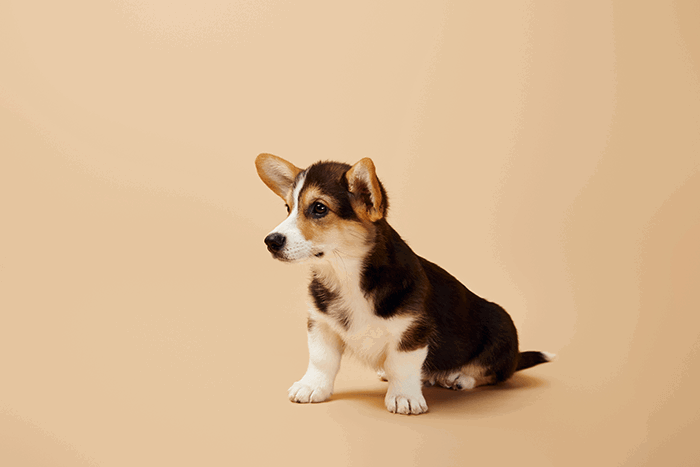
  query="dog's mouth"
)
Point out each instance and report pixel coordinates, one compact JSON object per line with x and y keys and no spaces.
{"x":279,"y":256}
{"x":285,"y":257}
{"x":282,"y":256}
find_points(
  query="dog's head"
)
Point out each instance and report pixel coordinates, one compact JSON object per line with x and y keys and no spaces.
{"x":331,"y":207}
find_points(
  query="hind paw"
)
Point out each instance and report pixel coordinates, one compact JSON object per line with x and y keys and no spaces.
{"x":457,"y":382}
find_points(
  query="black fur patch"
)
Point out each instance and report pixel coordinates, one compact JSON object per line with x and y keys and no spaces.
{"x":329,"y":177}
{"x":530,"y":359}
{"x":416,"y":336}
{"x":343,"y":317}
{"x":392,"y":274}
{"x":322,"y":295}
{"x":458,"y":326}
{"x":467,"y":328}
{"x":324,"y":298}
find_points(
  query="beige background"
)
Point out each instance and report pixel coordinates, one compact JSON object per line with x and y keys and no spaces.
{"x":545,"y":153}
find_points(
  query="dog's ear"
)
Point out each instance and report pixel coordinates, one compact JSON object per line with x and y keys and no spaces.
{"x":368,"y":198}
{"x":276,"y":173}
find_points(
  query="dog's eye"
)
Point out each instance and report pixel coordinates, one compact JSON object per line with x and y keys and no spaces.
{"x":319,"y":209}
{"x":288,"y":210}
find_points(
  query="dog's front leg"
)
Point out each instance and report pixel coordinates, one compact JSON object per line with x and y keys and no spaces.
{"x":403,"y":371}
{"x":325,"y":352}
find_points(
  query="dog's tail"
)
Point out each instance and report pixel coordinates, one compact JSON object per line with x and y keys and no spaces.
{"x":529,"y":359}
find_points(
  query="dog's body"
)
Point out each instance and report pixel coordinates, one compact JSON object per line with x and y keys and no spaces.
{"x":374,"y":297}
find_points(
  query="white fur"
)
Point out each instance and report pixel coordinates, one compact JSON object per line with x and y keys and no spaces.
{"x":368,"y":336}
{"x":372,"y":339}
{"x":403,"y":371}
{"x":349,"y":322}
{"x":325,"y":352}
{"x":296,"y":247}
{"x":457,"y":380}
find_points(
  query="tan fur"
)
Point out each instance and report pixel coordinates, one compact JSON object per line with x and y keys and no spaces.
{"x":350,"y":238}
{"x":362,"y":176}
{"x":470,"y":376}
{"x":277,"y":173}
{"x":314,"y":229}
{"x":359,"y":271}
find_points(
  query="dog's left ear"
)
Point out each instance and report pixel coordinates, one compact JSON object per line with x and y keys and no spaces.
{"x":368,"y":198}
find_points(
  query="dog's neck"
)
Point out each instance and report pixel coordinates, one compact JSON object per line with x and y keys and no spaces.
{"x":384,"y":253}
{"x":339,"y":272}
{"x":343,"y":272}
{"x":384,"y":277}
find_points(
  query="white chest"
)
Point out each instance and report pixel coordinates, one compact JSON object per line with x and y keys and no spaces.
{"x":351,"y":316}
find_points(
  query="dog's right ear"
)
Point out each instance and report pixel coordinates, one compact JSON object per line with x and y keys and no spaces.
{"x":277,"y":173}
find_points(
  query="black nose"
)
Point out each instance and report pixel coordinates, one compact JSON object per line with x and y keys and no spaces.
{"x":275,"y":242}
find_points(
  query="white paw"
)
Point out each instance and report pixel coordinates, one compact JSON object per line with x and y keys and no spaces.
{"x":462,"y":383}
{"x":465,"y":382}
{"x":404,"y":404}
{"x":457,"y":381}
{"x":304,"y":393}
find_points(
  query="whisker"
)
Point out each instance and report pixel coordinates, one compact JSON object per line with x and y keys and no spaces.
{"x":340,"y":257}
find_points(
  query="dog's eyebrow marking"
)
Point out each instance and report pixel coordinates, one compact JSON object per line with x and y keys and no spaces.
{"x":311,"y":193}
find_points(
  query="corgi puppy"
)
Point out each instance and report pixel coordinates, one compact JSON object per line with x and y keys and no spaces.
{"x":373,"y":297}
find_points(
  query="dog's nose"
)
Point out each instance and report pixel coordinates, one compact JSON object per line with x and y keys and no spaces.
{"x":275,"y":242}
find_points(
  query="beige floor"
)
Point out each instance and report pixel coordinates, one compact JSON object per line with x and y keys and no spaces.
{"x":547,"y":155}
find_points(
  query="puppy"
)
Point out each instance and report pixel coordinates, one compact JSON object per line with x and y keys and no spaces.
{"x":372,"y":296}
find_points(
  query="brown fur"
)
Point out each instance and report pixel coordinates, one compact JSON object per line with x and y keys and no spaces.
{"x":368,"y":200}
{"x":374,"y":297}
{"x":330,"y":229}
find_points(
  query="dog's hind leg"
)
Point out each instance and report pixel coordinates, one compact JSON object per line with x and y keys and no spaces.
{"x":467,"y":377}
{"x":457,"y":381}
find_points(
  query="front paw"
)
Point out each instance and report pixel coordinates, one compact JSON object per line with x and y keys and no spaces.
{"x":404,"y":404}
{"x":305,"y":393}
